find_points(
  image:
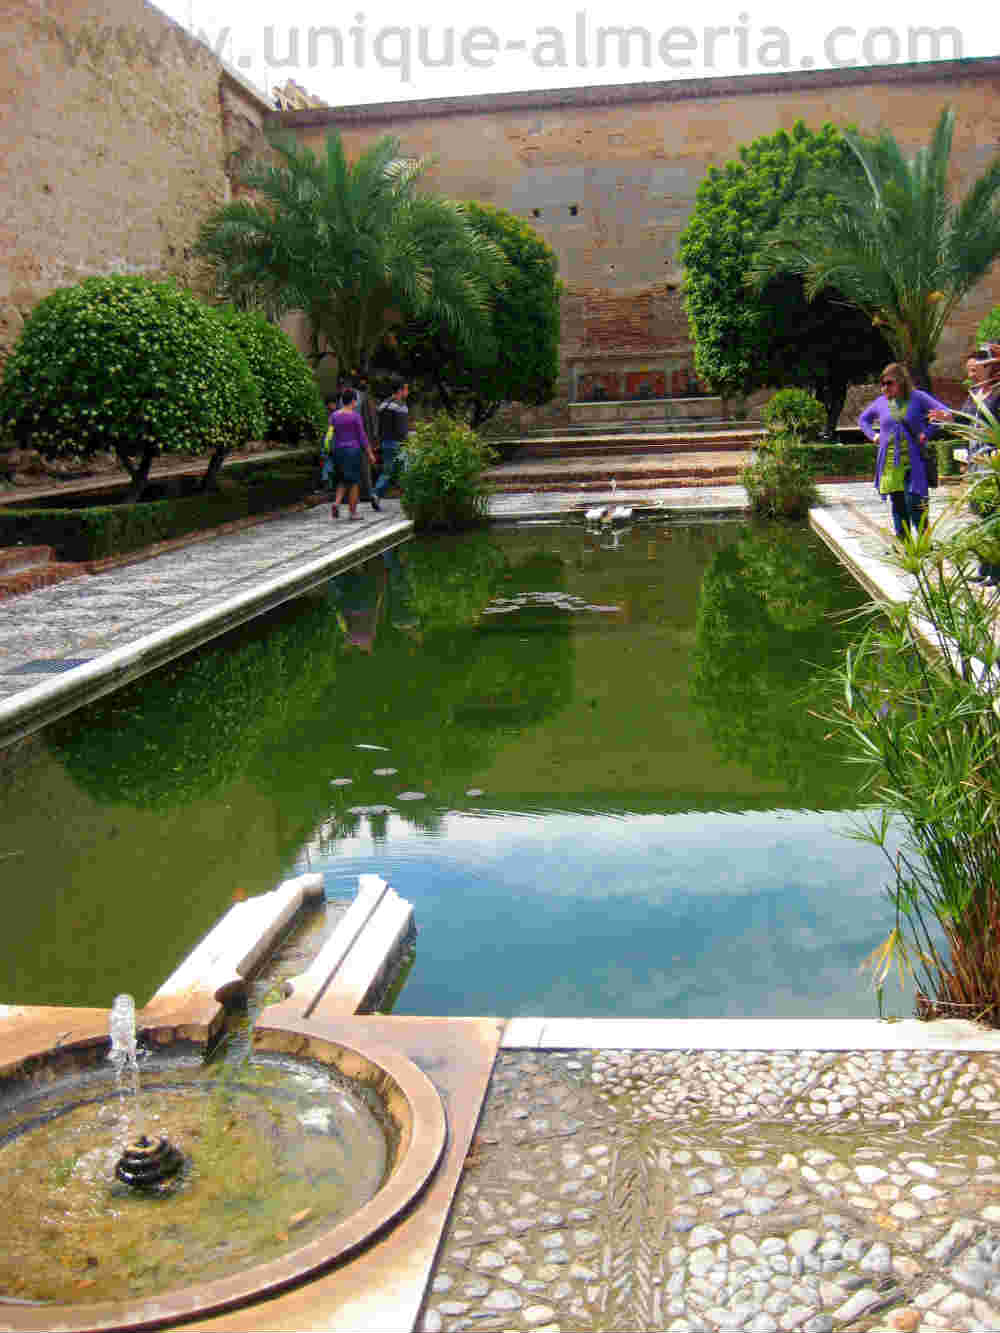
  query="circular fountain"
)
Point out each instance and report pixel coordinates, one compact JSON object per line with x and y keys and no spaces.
{"x":219,"y":1185}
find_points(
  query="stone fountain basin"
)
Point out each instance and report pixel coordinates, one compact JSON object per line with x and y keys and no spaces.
{"x":410,"y":1103}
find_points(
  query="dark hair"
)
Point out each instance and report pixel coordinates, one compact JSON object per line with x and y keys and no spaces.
{"x":396,"y":383}
{"x":348,"y":396}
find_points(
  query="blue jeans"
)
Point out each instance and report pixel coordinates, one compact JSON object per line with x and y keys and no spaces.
{"x":907,"y":510}
{"x":391,"y":463}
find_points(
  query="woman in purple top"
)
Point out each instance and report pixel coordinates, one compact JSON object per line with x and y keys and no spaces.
{"x":349,"y":439}
{"x":899,"y":421}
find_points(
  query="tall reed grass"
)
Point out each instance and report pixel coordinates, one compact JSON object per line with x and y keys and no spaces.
{"x":921,"y":711}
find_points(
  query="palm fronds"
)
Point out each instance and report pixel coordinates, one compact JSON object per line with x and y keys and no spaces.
{"x":354,"y":246}
{"x":891,"y":240}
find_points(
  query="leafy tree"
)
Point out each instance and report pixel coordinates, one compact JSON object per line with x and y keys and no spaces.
{"x":780,"y":338}
{"x":292,"y":402}
{"x":891,"y":240}
{"x":517,"y":360}
{"x":350,"y":245}
{"x":127,"y":364}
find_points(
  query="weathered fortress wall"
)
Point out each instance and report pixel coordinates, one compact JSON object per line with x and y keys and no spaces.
{"x":608,"y":177}
{"x":117,"y":135}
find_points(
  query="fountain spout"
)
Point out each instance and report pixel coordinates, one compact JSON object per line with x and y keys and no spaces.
{"x":122,"y":1054}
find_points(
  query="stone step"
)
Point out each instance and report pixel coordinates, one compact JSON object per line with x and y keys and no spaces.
{"x":15,"y":559}
{"x":25,"y":568}
{"x":625,"y":446}
{"x":641,"y":481}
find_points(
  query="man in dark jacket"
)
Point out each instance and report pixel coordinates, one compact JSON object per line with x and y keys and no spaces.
{"x":393,"y":427}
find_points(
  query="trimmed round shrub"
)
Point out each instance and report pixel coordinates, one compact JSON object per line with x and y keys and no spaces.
{"x":128,"y":364}
{"x":442,"y":483}
{"x":794,"y":414}
{"x":290,"y":396}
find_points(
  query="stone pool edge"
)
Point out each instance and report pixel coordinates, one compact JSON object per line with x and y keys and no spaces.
{"x":34,"y":708}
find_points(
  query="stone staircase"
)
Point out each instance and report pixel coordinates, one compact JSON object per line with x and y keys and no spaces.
{"x":588,"y":460}
{"x":24,"y":568}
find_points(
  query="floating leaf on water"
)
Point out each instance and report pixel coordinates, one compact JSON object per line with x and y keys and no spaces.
{"x":341,"y":782}
{"x":411,"y":796}
{"x":474,"y":791}
{"x":384,"y":772}
{"x":370,"y":810}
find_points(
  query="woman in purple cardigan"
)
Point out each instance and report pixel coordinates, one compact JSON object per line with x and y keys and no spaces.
{"x":349,"y":439}
{"x":899,"y":421}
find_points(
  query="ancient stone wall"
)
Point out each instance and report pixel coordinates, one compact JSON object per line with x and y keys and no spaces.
{"x":118,"y":134}
{"x":608,"y":177}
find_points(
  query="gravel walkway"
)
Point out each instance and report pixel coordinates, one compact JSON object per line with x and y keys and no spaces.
{"x":715,"y":1191}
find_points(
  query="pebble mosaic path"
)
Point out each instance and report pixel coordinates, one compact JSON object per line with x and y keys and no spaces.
{"x":725,"y":1191}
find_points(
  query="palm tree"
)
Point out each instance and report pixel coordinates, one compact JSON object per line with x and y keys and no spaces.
{"x":891,"y":241}
{"x":351,"y":245}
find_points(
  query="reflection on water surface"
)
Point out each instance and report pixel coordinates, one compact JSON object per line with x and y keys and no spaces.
{"x":597,"y":773}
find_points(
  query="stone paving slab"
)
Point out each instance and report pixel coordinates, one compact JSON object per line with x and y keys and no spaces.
{"x":61,"y":646}
{"x":701,"y":1191}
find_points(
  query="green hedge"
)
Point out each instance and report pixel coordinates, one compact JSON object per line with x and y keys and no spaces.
{"x":834,"y":460}
{"x":106,"y":530}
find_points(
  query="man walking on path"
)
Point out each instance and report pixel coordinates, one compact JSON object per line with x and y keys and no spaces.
{"x":393,"y":425}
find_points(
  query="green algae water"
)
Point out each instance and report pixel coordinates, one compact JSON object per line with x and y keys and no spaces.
{"x":276,"y":1152}
{"x":595,"y":763}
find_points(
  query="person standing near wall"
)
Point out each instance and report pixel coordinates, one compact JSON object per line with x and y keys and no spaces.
{"x":393,"y":425}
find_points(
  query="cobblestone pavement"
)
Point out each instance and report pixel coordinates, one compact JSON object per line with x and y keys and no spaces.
{"x":53,"y":628}
{"x":715,"y":1191}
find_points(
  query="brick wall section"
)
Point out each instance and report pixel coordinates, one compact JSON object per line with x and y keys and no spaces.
{"x":607,"y":175}
{"x":116,"y":135}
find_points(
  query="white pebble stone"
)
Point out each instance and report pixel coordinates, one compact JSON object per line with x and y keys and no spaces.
{"x":925,"y":1192}
{"x":922,"y":1169}
{"x":906,"y":1211}
{"x":503,"y":1300}
{"x":868,"y":1175}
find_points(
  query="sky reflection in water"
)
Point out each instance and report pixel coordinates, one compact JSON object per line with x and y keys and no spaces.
{"x":684,"y":915}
